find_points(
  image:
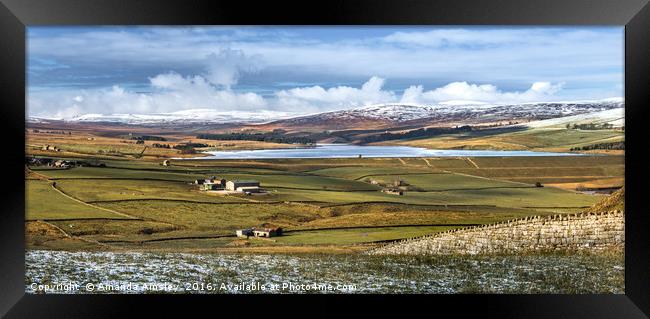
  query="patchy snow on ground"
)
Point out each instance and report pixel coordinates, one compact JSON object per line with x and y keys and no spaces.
{"x":615,"y":117}
{"x":136,"y":272}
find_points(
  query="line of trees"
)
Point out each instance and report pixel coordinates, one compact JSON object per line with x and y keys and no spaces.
{"x":590,"y":126}
{"x":190,"y":145}
{"x":148,"y":138}
{"x":272,"y":137}
{"x":422,"y":132}
{"x":602,"y":146}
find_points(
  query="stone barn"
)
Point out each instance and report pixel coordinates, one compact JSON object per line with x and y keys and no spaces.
{"x":244,"y":233}
{"x":267,"y":232}
{"x":234,"y":185}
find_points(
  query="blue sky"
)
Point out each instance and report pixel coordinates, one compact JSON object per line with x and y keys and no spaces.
{"x":78,"y":70}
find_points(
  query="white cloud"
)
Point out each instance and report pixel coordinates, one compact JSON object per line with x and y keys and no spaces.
{"x":171,"y":92}
{"x":317,"y":97}
{"x":486,"y":93}
{"x":224,"y":68}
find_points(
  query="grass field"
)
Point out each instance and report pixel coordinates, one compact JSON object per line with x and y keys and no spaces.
{"x":355,"y":172}
{"x":93,"y":190}
{"x":537,"y":139}
{"x":43,"y":203}
{"x":358,"y":235}
{"x":82,"y":143}
{"x":325,"y":203}
{"x":446,"y":181}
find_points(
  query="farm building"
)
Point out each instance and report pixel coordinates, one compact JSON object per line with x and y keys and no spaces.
{"x":234,"y":185}
{"x":400,"y":182}
{"x":247,"y":187}
{"x":213,"y":184}
{"x":63,"y":164}
{"x":244,"y":233}
{"x":250,"y":190}
{"x":259,"y":232}
{"x":267,"y":232}
{"x":51,"y":148}
{"x":393,"y":191}
{"x":212,"y":179}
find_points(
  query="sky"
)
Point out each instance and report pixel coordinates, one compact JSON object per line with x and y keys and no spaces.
{"x":72,"y":71}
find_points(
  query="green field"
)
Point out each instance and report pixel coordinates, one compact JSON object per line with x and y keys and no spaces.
{"x":43,"y":203}
{"x":319,"y":201}
{"x":538,"y":139}
{"x":504,"y":197}
{"x":358,"y":235}
{"x":446,"y":181}
{"x":116,"y":189}
{"x":354,"y":172}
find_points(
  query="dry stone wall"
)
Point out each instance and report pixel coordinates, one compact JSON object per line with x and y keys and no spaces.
{"x":574,"y":231}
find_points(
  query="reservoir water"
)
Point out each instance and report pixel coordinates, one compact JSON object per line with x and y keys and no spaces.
{"x":351,"y":151}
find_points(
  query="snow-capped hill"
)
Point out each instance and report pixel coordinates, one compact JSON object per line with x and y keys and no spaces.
{"x":379,"y":115}
{"x":184,"y":116}
{"x":615,"y":116}
{"x":391,"y":114}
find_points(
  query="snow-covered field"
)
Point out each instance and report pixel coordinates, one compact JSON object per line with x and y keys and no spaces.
{"x":134,"y":272}
{"x":615,"y":117}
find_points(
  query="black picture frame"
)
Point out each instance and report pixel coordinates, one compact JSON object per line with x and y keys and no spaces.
{"x":15,"y":15}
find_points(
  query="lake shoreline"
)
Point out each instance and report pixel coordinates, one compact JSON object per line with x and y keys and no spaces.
{"x":332,"y":151}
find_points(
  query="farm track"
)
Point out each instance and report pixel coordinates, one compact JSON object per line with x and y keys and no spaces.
{"x":43,"y":177}
{"x":91,"y":205}
{"x":472,"y":162}
{"x":53,"y":185}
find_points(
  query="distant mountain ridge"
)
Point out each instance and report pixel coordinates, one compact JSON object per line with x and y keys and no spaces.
{"x":179,"y":117}
{"x":394,"y":114}
{"x":379,"y":115}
